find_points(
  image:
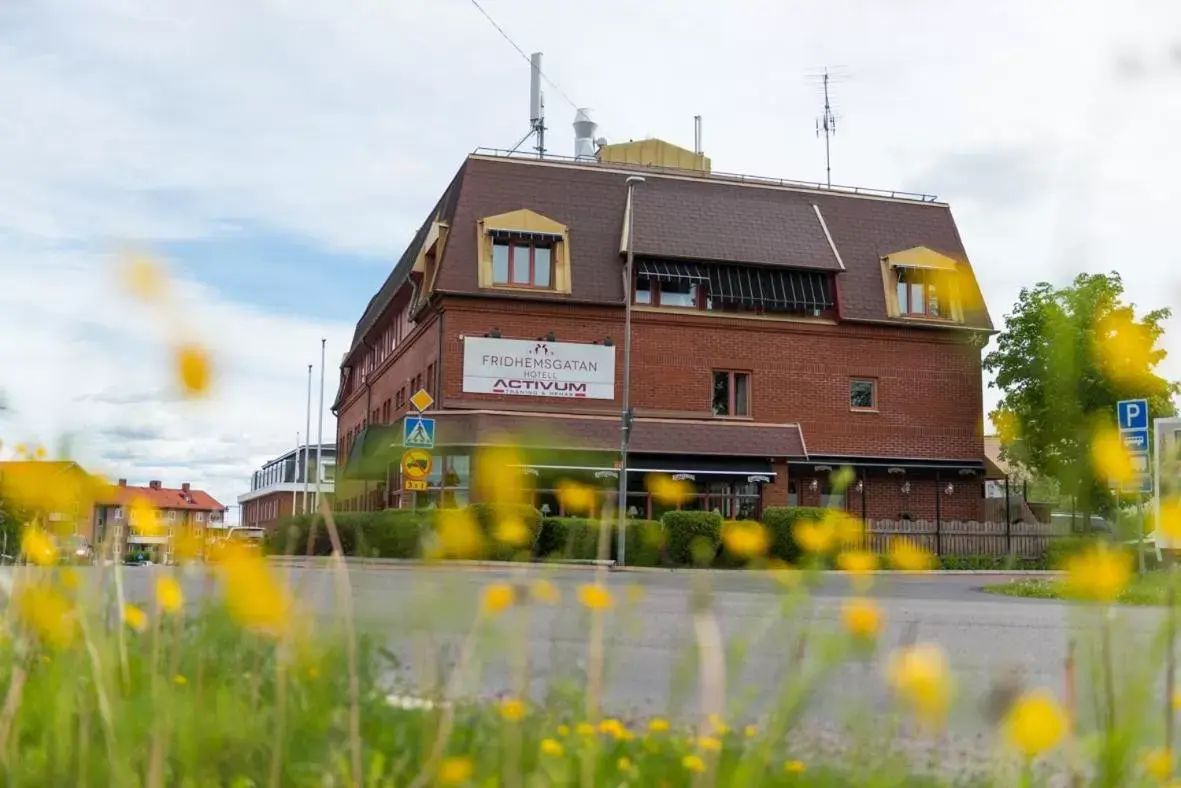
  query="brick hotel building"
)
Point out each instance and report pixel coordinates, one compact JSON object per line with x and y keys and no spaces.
{"x":780,"y":331}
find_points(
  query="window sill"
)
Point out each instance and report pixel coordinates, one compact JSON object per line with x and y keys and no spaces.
{"x":522,"y":288}
{"x":863,"y":410}
{"x":733,"y":418}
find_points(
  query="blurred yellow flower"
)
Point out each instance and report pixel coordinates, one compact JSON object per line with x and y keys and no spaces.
{"x":1170,"y":517}
{"x":1008,"y":426}
{"x":667,"y":490}
{"x":750,"y":731}
{"x":857,"y":562}
{"x":693,"y":763}
{"x":145,"y":518}
{"x":22,"y":451}
{"x":47,"y":613}
{"x":745,"y":539}
{"x":254,"y":597}
{"x":1110,"y":456}
{"x":709,"y":744}
{"x":920,"y":678}
{"x":624,"y":764}
{"x":814,"y":536}
{"x":69,"y":578}
{"x":497,"y":476}
{"x":906,"y":555}
{"x":1035,"y":723}
{"x":179,"y":680}
{"x":187,"y":545}
{"x":459,"y":534}
{"x":169,"y":594}
{"x":585,"y":729}
{"x":551,"y":747}
{"x":40,"y":453}
{"x":143,"y":277}
{"x":658,"y":725}
{"x":38,"y":546}
{"x":193,"y":368}
{"x":794,"y":767}
{"x":1099,"y":574}
{"x":612,"y":727}
{"x":847,"y":529}
{"x":718,"y":724}
{"x":497,"y":598}
{"x":545,"y":592}
{"x":135,"y":618}
{"x":512,"y":710}
{"x":842,"y":478}
{"x":1124,"y":348}
{"x":595,"y":597}
{"x":455,"y":770}
{"x":576,"y":499}
{"x":511,"y":531}
{"x":1158,"y":763}
{"x":563,"y":730}
{"x":861,"y":618}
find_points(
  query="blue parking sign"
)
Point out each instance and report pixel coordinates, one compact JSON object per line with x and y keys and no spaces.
{"x":1133,"y":414}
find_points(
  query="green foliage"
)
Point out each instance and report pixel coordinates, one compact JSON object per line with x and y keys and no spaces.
{"x":780,"y":520}
{"x":390,"y":533}
{"x":1057,"y":383}
{"x":692,"y":537}
{"x":488,"y":515}
{"x":991,"y":563}
{"x":577,"y":538}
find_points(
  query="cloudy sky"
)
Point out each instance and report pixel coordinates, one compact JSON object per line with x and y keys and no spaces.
{"x":279,"y":154}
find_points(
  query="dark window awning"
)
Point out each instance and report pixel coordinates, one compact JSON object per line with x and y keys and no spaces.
{"x":374,"y":448}
{"x":771,"y":288}
{"x":708,"y":466}
{"x":671,"y":271}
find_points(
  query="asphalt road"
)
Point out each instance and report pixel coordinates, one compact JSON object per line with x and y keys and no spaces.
{"x":650,"y":634}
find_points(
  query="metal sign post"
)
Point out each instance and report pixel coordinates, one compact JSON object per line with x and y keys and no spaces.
{"x":1132,"y":415}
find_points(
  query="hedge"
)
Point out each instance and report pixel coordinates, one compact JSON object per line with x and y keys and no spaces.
{"x":489,"y":515}
{"x":390,"y":533}
{"x":780,"y":520}
{"x":577,"y":538}
{"x":692,"y":538}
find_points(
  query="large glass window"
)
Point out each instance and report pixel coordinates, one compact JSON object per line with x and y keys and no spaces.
{"x":522,"y":264}
{"x":919,"y":292}
{"x":680,"y":293}
{"x":731,"y":394}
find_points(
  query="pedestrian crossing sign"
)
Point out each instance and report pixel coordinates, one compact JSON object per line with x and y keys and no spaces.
{"x":418,"y":432}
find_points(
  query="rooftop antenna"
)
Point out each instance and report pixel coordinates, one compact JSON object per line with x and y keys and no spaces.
{"x":697,"y":134}
{"x":536,"y":108}
{"x":827,"y":123}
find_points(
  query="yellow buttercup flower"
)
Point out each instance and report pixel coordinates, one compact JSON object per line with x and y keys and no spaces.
{"x":40,"y":453}
{"x":143,"y":277}
{"x":1100,"y":574}
{"x":906,"y":555}
{"x":1035,"y":723}
{"x":718,"y":724}
{"x":847,"y":529}
{"x":511,"y":531}
{"x":794,"y":767}
{"x":857,"y":562}
{"x":38,"y":546}
{"x":1170,"y":517}
{"x":624,"y":764}
{"x":612,"y":727}
{"x":693,"y":763}
{"x":135,"y":618}
{"x":861,"y":618}
{"x":194,"y":369}
{"x":169,"y":594}
{"x":709,"y":744}
{"x":187,"y":545}
{"x":47,"y":613}
{"x":545,"y":592}
{"x":512,"y":710}
{"x":497,"y":598}
{"x":455,"y":770}
{"x":551,"y":747}
{"x":179,"y":680}
{"x":750,"y":731}
{"x":920,"y":678}
{"x":667,"y":490}
{"x":254,"y":597}
{"x":1125,"y":348}
{"x":1158,"y":763}
{"x":595,"y":597}
{"x":576,"y":499}
{"x":563,"y":730}
{"x":458,"y":534}
{"x":814,"y":536}
{"x":145,"y":518}
{"x":745,"y":539}
{"x":1110,"y":457}
{"x":497,"y":475}
{"x":585,"y":729}
{"x":658,"y":725}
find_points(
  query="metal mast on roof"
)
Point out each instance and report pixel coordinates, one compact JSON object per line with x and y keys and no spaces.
{"x":827,"y":123}
{"x":536,"y":108}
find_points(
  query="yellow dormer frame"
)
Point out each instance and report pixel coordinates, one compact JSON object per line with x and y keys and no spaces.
{"x":922,"y":258}
{"x":524,"y":220}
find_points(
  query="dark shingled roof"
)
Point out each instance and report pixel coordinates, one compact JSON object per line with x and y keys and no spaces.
{"x":682,"y":215}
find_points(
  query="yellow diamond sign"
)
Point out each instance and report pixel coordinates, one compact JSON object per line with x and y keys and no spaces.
{"x":421,"y":400}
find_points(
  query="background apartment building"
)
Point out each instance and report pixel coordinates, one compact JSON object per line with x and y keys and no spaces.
{"x":277,"y":488}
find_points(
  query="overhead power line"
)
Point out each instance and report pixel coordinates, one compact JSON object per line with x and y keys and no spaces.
{"x":521,"y":52}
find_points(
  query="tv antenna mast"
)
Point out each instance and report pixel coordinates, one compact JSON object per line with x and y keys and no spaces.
{"x":827,"y":124}
{"x":536,"y":108}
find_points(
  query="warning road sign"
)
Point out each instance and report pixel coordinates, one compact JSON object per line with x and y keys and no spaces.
{"x":418,"y":432}
{"x":417,"y":464}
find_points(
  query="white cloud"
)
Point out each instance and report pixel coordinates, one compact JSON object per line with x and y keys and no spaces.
{"x":1048,"y":126}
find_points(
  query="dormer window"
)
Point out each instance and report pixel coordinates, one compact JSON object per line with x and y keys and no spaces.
{"x":919,"y":292}
{"x":524,"y":250}
{"x":922,"y":283}
{"x":522,"y":262}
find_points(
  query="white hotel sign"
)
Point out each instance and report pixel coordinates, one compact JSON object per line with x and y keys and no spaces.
{"x":521,"y":367}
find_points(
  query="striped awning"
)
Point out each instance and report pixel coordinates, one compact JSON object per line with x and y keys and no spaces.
{"x":771,"y":288}
{"x":670,"y":271}
{"x":524,"y":235}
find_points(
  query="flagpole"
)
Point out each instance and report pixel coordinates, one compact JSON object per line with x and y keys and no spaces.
{"x":295,"y":478}
{"x":307,"y":456}
{"x":320,"y":429}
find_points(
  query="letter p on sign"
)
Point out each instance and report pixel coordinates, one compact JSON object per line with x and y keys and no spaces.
{"x":1133,"y":414}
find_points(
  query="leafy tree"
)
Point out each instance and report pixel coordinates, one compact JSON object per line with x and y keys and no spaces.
{"x":1065,"y":358}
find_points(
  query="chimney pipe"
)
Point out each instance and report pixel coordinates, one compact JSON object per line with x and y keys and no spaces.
{"x":584,"y":136}
{"x":154,"y":484}
{"x":122,"y":482}
{"x":184,"y":487}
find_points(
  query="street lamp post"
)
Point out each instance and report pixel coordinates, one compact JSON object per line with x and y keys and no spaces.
{"x":625,"y":411}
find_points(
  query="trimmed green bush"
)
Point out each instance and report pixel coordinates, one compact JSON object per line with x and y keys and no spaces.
{"x":989,"y":563}
{"x":780,"y":520}
{"x":577,"y":538}
{"x":489,"y":515}
{"x":390,"y":533}
{"x":692,"y":537}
